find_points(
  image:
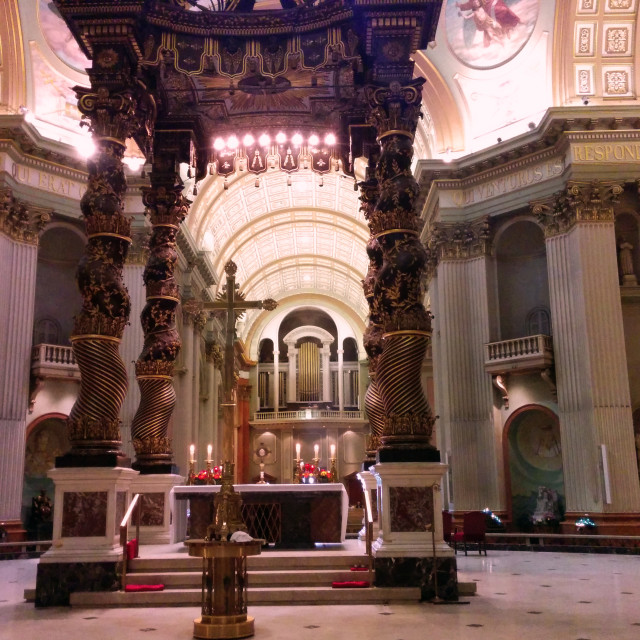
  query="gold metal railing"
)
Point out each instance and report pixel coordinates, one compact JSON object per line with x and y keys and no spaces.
{"x":124,"y":535}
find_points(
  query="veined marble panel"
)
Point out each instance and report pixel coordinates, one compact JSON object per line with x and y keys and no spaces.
{"x":84,"y":514}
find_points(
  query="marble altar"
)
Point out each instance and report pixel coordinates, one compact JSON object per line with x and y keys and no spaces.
{"x":301,"y":514}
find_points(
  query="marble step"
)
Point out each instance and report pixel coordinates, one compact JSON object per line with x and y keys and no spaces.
{"x":264,"y":562}
{"x":271,"y":578}
{"x":256,"y":597}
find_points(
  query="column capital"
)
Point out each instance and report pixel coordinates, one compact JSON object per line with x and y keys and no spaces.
{"x":459,"y":241}
{"x":579,"y":202}
{"x":19,"y":220}
{"x":213,"y":354}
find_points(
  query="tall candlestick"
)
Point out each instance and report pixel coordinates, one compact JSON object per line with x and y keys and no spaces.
{"x":333,"y":450}
{"x":297,"y":451}
{"x":316,"y":450}
{"x":192,"y":453}
{"x":209,"y":451}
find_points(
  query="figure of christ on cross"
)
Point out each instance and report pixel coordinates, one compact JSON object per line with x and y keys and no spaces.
{"x":231,"y":302}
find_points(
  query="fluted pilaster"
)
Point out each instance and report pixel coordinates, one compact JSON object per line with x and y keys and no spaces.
{"x":18,"y":262}
{"x":591,"y":369}
{"x":466,"y":401}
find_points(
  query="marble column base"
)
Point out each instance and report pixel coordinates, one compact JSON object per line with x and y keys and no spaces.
{"x":56,"y":581}
{"x":410,"y":510}
{"x":89,"y":505}
{"x":369,"y":484}
{"x":418,"y":572}
{"x":155,"y":517}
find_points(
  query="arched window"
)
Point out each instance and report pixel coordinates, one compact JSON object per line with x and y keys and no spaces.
{"x":47,"y":331}
{"x":538,"y":322}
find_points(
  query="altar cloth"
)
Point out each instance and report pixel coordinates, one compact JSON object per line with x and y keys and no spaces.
{"x":309,"y":513}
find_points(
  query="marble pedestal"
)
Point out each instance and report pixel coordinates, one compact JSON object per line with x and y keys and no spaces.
{"x":370,"y":485}
{"x":89,"y":505}
{"x":156,"y":516}
{"x":410,"y":549}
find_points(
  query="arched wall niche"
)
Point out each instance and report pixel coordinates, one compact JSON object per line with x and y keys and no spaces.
{"x":532,"y":454}
{"x":522,"y":280}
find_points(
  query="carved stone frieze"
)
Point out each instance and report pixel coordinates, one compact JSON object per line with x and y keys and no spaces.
{"x":580,"y":202}
{"x":18,"y":220}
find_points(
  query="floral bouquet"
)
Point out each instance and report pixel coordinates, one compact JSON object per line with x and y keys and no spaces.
{"x":208,"y":476}
{"x":310,"y":474}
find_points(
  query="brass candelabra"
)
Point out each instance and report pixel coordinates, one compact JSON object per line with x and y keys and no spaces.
{"x":297,"y":476}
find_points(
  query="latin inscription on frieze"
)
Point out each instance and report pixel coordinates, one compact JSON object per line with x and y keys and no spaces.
{"x":508,"y":183}
{"x":606,"y":152}
{"x":48,"y":182}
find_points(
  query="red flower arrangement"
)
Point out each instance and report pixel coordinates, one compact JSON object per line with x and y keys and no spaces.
{"x":208,"y":476}
{"x":310,"y":474}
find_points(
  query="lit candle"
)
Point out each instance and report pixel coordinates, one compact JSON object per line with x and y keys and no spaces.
{"x":297,"y":451}
{"x":316,"y":450}
{"x":209,"y":452}
{"x":333,"y":450}
{"x":192,"y":452}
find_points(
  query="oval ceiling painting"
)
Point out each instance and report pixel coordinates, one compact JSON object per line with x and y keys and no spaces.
{"x":59,"y":38}
{"x":486,"y":33}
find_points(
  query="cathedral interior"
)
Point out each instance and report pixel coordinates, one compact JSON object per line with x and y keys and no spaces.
{"x":316,"y":239}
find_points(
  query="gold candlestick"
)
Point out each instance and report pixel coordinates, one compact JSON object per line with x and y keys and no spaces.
{"x":296,"y":470}
{"x":192,"y":472}
{"x":316,"y":469}
{"x":333,"y":470}
{"x":210,"y":479}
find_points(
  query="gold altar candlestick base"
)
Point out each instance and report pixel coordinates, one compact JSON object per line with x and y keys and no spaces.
{"x":316,"y":469}
{"x":296,"y":471}
{"x":192,"y":472}
{"x":333,"y":470}
{"x":209,"y":464}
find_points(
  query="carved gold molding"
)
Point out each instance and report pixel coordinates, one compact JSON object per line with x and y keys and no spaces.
{"x":579,"y":202}
{"x":19,"y":220}
{"x":459,"y":241}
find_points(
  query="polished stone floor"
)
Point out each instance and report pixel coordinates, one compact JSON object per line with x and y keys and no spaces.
{"x":521,"y":596}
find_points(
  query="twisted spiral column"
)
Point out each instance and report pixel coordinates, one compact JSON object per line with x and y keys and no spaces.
{"x":396,"y":303}
{"x":167,"y":208}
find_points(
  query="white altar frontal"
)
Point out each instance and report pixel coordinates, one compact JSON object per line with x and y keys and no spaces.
{"x":284,"y":514}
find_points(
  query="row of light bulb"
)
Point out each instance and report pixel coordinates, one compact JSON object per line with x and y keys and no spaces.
{"x":232,"y":142}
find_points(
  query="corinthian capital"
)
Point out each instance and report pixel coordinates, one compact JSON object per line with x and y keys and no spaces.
{"x":579,"y":202}
{"x":395,"y":108}
{"x":459,"y":240}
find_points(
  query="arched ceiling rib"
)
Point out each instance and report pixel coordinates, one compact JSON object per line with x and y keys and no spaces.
{"x":301,"y":238}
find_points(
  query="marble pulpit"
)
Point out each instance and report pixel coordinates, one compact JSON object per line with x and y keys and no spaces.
{"x":284,"y":514}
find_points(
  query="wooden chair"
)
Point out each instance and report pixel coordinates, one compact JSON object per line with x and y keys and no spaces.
{"x":474,"y":530}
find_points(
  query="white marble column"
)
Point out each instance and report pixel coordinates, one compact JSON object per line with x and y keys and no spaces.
{"x":325,"y":352}
{"x":276,"y":380}
{"x":18,"y":262}
{"x":292,"y":354}
{"x":341,"y":379}
{"x":466,"y":402}
{"x":591,"y":370}
{"x":130,"y":348}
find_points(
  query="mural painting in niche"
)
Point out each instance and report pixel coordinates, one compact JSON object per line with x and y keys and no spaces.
{"x":486,"y":33}
{"x":535,"y":465}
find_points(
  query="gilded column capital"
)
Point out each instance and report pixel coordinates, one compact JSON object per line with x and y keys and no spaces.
{"x":213,"y":354}
{"x":191,"y":311}
{"x":18,"y":220}
{"x":395,"y":108}
{"x":459,"y":241}
{"x":579,"y":202}
{"x":139,"y":249}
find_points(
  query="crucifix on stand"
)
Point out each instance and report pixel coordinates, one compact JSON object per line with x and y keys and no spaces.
{"x":230,"y":302}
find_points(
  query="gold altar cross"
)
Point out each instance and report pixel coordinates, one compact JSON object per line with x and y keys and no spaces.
{"x":231,"y":302}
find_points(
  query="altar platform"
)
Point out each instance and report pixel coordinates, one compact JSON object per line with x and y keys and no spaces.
{"x":287,"y":515}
